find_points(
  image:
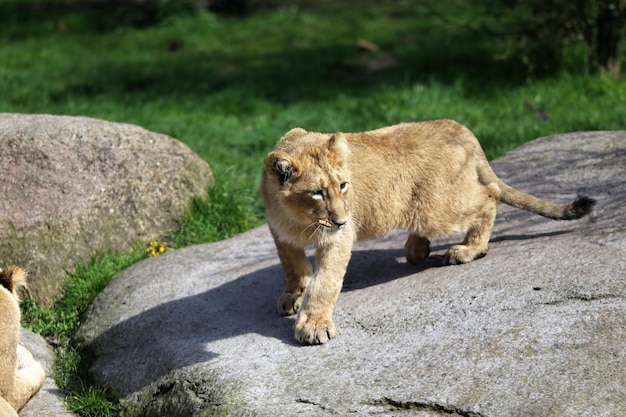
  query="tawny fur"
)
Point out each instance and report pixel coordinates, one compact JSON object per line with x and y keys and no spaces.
{"x":328,"y":190}
{"x":20,"y":375}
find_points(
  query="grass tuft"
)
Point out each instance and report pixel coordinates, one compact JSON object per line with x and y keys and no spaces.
{"x":90,"y":401}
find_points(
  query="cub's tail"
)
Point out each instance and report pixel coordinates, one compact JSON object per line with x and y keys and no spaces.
{"x":515,"y":198}
{"x":13,"y":278}
{"x":568,"y":211}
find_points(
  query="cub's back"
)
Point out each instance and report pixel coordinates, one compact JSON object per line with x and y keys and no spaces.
{"x":397,"y":156}
{"x":410,"y":168}
{"x":407,"y":138}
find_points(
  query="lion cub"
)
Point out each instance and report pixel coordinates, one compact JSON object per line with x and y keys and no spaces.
{"x":20,"y":375}
{"x":328,"y":190}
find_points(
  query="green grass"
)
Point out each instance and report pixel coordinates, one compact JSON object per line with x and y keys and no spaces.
{"x":230,"y":87}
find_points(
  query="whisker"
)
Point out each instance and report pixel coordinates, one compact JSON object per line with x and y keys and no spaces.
{"x":355,"y":222}
{"x":317,"y":230}
{"x":322,"y":230}
{"x":311,"y":225}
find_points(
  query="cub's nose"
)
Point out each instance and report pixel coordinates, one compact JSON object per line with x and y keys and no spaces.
{"x":339,"y":223}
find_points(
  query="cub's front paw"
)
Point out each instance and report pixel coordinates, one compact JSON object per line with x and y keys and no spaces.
{"x":462,"y":254}
{"x":314,"y":332}
{"x":290,"y":303}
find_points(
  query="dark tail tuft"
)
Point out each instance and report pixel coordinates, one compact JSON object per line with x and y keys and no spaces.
{"x":579,"y":208}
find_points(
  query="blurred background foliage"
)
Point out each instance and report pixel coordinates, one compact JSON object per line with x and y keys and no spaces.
{"x":546,"y":25}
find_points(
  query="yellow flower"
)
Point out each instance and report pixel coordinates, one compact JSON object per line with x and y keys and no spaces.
{"x":155,"y":248}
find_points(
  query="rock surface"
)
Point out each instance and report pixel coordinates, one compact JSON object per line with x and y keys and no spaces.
{"x":48,"y":402}
{"x":536,"y":328}
{"x":74,"y":186}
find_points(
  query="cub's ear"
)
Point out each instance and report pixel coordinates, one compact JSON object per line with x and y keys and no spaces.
{"x":339,"y":145}
{"x":293,"y":134}
{"x":281,"y":165}
{"x":13,"y":278}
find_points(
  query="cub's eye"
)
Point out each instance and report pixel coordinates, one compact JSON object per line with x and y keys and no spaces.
{"x":317,"y":194}
{"x":343,"y":186}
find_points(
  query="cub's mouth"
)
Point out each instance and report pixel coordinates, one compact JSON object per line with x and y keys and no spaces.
{"x":332,"y":225}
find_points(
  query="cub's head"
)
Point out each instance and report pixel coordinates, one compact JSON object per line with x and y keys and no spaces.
{"x":306,"y":184}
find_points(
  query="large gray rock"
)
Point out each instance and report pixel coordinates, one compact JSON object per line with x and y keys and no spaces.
{"x":536,"y":328}
{"x":74,"y":186}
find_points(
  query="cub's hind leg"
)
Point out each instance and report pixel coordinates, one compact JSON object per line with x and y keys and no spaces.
{"x":416,"y":249}
{"x":476,"y":242}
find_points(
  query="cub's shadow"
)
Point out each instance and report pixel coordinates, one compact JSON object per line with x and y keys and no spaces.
{"x":197,"y":329}
{"x":376,"y":267}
